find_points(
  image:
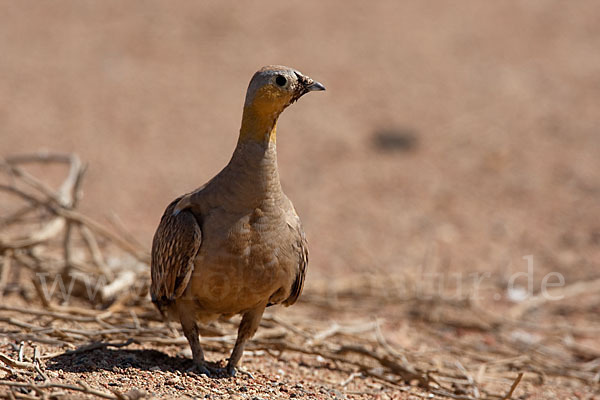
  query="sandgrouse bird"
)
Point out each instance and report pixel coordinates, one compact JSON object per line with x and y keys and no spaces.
{"x":235,"y":245}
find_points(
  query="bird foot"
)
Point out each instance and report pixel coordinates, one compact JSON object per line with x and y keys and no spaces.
{"x":201,"y":369}
{"x":231,"y":371}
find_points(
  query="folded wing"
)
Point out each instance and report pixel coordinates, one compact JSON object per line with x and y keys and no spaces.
{"x":174,"y":248}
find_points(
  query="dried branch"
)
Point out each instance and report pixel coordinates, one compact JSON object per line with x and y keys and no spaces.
{"x":5,"y":272}
{"x":451,"y":365}
{"x":513,"y":387}
{"x":81,"y":387}
{"x":555,"y":294}
{"x":15,"y":363}
{"x":97,"y":345}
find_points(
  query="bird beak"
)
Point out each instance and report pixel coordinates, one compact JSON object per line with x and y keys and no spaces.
{"x":314,"y":86}
{"x":306,"y":85}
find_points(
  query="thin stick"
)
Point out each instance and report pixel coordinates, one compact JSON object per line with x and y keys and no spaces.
{"x":39,"y":339}
{"x":40,"y":292}
{"x":94,"y":250}
{"x":17,"y":215}
{"x":513,"y":387}
{"x":557,"y":294}
{"x":287,"y":326}
{"x":4,"y":274}
{"x":97,"y":345}
{"x":33,"y":182}
{"x":122,"y":282}
{"x":70,"y":196}
{"x":83,"y":387}
{"x":40,"y":157}
{"x":118,"y":224}
{"x":36,"y":363}
{"x":346,"y":381}
{"x":50,"y":230}
{"x":57,"y":207}
{"x":15,"y":363}
{"x":452,"y":395}
{"x":21,"y":351}
{"x":20,"y":324}
{"x":91,"y":315}
{"x":142,"y":256}
{"x":470,"y":379}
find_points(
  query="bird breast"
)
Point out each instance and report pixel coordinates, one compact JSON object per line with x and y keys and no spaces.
{"x":243,"y":260}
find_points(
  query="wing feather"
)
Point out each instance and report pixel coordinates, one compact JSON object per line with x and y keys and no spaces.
{"x":174,"y":248}
{"x":301,"y":250}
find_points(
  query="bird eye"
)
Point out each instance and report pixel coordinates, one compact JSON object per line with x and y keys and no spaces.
{"x":280,"y":80}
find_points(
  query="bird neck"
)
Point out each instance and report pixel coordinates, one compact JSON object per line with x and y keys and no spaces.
{"x":252,"y":174}
{"x":252,"y":171}
{"x":259,"y":124}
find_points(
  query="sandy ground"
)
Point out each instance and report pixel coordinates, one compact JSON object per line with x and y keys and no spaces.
{"x":453,"y":139}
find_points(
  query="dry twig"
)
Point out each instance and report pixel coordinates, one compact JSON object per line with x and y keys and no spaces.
{"x":49,"y":247}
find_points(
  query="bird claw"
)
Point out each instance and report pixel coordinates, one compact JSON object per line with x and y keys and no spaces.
{"x":201,"y":369}
{"x":248,"y":374}
{"x":231,"y":371}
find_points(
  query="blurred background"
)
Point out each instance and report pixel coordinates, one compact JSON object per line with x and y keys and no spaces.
{"x":467,"y":130}
{"x":454,"y":138}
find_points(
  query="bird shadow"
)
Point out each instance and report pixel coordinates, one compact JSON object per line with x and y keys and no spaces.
{"x":120,"y":360}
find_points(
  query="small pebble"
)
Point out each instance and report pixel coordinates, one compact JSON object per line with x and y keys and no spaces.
{"x":172,"y":381}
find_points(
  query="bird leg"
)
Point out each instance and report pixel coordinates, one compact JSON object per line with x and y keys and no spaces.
{"x":190,"y":330}
{"x":248,"y":326}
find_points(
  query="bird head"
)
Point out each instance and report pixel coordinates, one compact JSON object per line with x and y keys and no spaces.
{"x":270,"y":91}
{"x":275,"y":87}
